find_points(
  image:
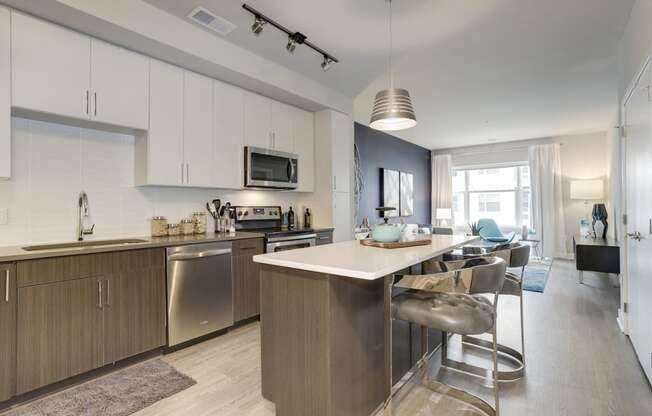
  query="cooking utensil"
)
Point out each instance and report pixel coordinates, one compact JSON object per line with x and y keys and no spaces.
{"x":226,"y":208}
{"x":210,"y":211}
{"x":216,"y":203}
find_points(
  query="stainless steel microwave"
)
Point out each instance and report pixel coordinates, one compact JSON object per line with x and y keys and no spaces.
{"x":266,"y":168}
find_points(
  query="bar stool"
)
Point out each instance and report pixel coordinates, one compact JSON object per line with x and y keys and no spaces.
{"x":516,"y":255}
{"x":451,"y":301}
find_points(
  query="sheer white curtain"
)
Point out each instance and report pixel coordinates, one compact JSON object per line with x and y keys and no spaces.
{"x":442,"y":183}
{"x":547,"y":203}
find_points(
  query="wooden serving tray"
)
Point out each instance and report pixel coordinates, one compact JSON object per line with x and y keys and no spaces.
{"x":398,"y":244}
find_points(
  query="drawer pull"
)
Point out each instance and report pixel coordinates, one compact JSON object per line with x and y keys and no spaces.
{"x":99,"y":294}
{"x":7,"y":285}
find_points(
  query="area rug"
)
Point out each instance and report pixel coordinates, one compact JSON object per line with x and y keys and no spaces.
{"x":536,"y":274}
{"x":121,"y":393}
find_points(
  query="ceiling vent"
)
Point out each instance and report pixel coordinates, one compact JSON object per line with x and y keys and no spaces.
{"x":211,"y":21}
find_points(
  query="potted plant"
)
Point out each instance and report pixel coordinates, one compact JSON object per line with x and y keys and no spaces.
{"x":475,"y":229}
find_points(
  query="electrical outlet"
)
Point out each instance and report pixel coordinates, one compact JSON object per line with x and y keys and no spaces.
{"x":4,"y":216}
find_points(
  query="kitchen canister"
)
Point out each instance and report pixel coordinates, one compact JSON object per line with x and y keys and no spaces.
{"x":174,"y":229}
{"x":187,"y":227}
{"x":199,"y":222}
{"x":159,"y":227}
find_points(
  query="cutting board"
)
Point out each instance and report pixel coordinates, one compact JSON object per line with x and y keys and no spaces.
{"x":398,"y":244}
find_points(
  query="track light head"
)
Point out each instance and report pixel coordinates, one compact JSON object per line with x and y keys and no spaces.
{"x":257,"y":27}
{"x":297,"y":38}
{"x":327,"y":63}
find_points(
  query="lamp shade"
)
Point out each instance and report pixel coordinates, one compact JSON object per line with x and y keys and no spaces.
{"x":444,"y":214}
{"x":393,"y":111}
{"x":587,"y":189}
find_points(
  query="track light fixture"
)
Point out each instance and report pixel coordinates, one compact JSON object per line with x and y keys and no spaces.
{"x":327,"y":63}
{"x":294,"y":38}
{"x":257,"y":27}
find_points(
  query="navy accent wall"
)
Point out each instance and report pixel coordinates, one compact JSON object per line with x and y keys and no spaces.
{"x":381,"y":150}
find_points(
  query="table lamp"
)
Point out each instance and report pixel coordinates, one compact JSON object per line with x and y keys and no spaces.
{"x":586,"y":190}
{"x":443,"y":215}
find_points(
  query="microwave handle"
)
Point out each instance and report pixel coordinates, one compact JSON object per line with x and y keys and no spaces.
{"x":290,"y":170}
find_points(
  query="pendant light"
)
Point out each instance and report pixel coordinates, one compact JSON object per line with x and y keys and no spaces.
{"x":392,"y":107}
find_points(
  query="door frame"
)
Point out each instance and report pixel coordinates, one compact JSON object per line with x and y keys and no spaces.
{"x":623,"y":317}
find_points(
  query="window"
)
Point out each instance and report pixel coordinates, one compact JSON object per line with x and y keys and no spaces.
{"x":501,"y":193}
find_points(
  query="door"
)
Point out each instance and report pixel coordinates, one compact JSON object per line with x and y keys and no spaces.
{"x":134,"y":306}
{"x":119,"y":86}
{"x":50,"y":68}
{"x":198,"y":129}
{"x":638,"y":153}
{"x":342,"y":217}
{"x":228,"y":136}
{"x":342,"y":148}
{"x":7,"y":331}
{"x":258,"y":121}
{"x":304,"y":146}
{"x":282,"y":131}
{"x":164,"y":149}
{"x":246,"y":278}
{"x":59,"y":331}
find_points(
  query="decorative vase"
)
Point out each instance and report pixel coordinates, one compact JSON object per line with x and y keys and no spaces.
{"x":600,"y":224}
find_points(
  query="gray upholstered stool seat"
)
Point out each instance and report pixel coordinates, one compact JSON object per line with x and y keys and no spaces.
{"x":449,"y":312}
{"x":516,"y":255}
{"x":449,"y":298}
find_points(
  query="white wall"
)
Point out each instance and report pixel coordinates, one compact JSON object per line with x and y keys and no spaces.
{"x":583,"y":156}
{"x":53,"y":162}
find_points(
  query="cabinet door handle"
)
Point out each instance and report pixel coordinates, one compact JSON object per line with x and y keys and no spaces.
{"x":95,"y":95}
{"x":187,"y":172}
{"x":181,"y":174}
{"x":7,"y":286}
{"x":108,"y":293}
{"x":88,"y":103}
{"x":335,"y":183}
{"x":99,"y":294}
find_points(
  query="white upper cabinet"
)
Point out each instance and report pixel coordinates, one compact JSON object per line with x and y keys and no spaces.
{"x":228,"y":136}
{"x":258,"y":121}
{"x":342,"y":148}
{"x":282,"y":129}
{"x":50,"y":68}
{"x":304,"y":146}
{"x":120,"y":84}
{"x":198,"y":129}
{"x":5,"y":93}
{"x":159,"y":154}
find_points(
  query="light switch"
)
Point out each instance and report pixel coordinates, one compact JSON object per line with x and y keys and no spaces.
{"x":4,"y":216}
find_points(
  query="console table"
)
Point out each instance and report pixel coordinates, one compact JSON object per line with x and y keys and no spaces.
{"x":596,"y":255}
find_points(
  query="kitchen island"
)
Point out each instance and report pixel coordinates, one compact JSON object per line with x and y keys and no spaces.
{"x":326,"y":324}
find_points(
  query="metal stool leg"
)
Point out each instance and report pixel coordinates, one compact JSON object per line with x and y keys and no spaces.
{"x":495,"y":372}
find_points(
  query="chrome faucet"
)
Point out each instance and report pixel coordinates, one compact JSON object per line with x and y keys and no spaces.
{"x":83,"y":213}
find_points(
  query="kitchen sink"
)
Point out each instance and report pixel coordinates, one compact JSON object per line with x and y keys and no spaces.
{"x":82,"y":244}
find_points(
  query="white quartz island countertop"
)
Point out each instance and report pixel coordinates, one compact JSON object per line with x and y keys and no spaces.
{"x":352,"y":259}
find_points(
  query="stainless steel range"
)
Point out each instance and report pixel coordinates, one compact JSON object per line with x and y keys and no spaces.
{"x":267,"y":220}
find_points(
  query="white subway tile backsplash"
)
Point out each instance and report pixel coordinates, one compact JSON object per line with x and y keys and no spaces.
{"x":52,"y":163}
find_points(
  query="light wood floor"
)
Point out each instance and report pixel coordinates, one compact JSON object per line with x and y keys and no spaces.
{"x":578,"y":363}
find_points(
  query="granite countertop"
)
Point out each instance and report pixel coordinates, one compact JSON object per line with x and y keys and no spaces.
{"x":352,"y":259}
{"x":14,"y":253}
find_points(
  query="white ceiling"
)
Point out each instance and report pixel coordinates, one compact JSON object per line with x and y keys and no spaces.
{"x":478,"y":70}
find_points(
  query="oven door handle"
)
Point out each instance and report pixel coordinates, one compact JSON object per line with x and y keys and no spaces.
{"x":272,"y":246}
{"x":291,"y":238}
{"x":202,"y":254}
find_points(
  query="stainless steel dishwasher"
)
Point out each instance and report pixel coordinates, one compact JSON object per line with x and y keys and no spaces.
{"x":200,"y":290}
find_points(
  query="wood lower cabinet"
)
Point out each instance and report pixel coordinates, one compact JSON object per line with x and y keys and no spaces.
{"x":246,"y":278}
{"x":59,"y":331}
{"x":7,"y":331}
{"x":134,"y":313}
{"x":79,"y":313}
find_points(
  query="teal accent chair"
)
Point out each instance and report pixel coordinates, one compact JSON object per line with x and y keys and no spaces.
{"x":489,"y":231}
